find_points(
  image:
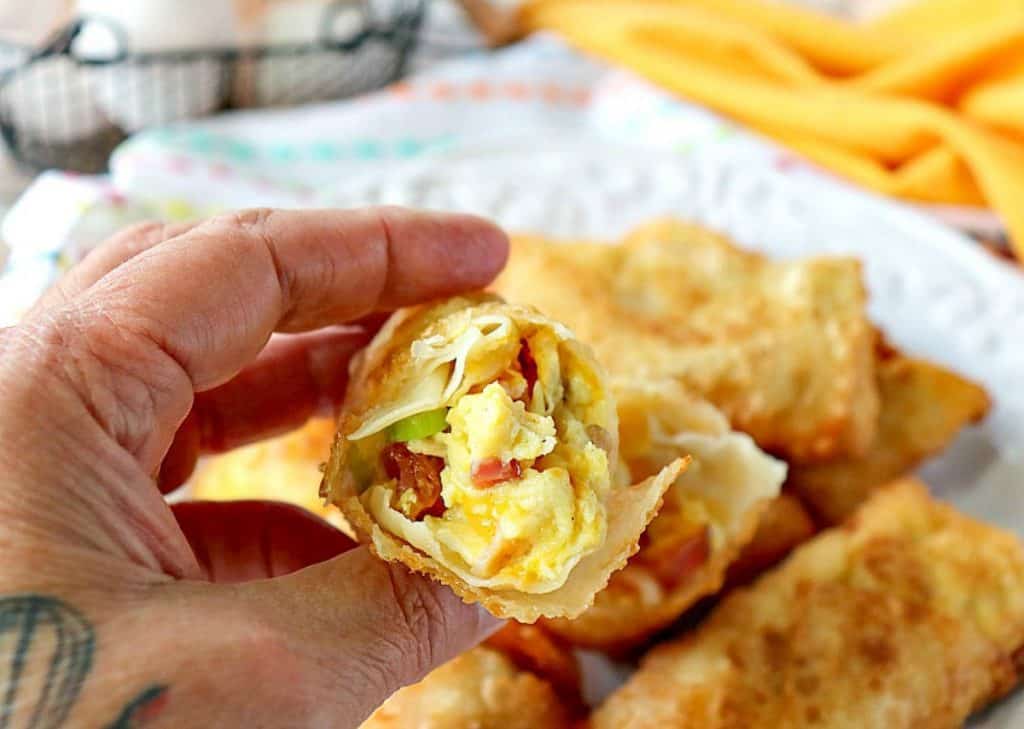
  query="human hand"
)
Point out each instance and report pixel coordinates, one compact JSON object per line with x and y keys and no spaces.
{"x":117,"y":610}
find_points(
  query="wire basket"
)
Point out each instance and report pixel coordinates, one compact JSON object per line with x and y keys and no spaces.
{"x":61,"y":110}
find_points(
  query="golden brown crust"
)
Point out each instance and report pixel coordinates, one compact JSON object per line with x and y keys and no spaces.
{"x":924,"y":406}
{"x":385,"y":368}
{"x":909,"y":616}
{"x":481,"y":689}
{"x":784,"y":349}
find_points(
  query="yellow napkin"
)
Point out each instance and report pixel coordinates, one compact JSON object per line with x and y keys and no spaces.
{"x":926,"y":103}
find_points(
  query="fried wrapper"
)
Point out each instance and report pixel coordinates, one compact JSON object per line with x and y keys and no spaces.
{"x":708,"y":515}
{"x":784,"y":526}
{"x":924,"y":407}
{"x":783,"y":348}
{"x":511,"y":498}
{"x":910,"y":615}
{"x":286,"y":468}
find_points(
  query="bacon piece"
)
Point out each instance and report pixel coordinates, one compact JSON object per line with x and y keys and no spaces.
{"x":674,"y":559}
{"x":528,"y":366}
{"x":418,"y":473}
{"x":493,"y":471}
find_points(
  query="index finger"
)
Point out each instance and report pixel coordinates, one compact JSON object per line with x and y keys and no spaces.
{"x":188,"y":314}
{"x":212,"y":297}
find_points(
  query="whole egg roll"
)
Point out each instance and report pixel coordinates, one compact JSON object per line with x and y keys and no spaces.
{"x":709,"y":514}
{"x":478,"y":445}
{"x":924,"y":407}
{"x":908,"y":616}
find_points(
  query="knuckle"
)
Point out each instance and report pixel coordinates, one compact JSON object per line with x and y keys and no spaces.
{"x":145,"y":230}
{"x":405,"y":641}
{"x":52,"y":343}
{"x":385,"y":216}
{"x":252,"y":220}
{"x":419,"y":618}
{"x":130,"y":242}
{"x":257,"y":224}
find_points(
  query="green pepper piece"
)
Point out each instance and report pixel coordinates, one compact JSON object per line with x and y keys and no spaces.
{"x":420,"y":425}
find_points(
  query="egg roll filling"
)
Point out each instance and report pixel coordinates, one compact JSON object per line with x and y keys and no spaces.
{"x":674,"y":557}
{"x":508,"y":490}
{"x":681,"y":538}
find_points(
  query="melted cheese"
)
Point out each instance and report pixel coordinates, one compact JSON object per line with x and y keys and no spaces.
{"x":427,"y":394}
{"x":476,"y":354}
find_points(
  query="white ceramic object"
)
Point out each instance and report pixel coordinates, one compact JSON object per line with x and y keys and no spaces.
{"x":933,"y":291}
{"x":295,"y":79}
{"x":50,"y":102}
{"x":137,"y":96}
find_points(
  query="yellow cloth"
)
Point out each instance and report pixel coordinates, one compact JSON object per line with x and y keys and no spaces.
{"x":926,"y":103}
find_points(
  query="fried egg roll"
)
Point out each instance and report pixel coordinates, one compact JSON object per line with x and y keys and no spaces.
{"x":924,"y":408}
{"x":285,"y":468}
{"x":784,"y":526}
{"x":910,"y":615}
{"x":709,"y":514}
{"x":477,"y":445}
{"x":519,"y":679}
{"x":783,"y":348}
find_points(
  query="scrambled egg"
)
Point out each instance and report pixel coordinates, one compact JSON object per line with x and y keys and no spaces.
{"x":526,"y":533}
{"x":493,"y":425}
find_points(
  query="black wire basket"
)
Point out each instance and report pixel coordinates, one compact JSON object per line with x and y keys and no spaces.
{"x":61,"y":110}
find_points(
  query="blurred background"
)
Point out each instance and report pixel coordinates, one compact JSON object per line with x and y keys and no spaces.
{"x":891,"y":131}
{"x":79,"y":77}
{"x":116,"y":110}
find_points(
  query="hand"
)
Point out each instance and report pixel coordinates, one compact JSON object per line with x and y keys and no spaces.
{"x":117,"y":610}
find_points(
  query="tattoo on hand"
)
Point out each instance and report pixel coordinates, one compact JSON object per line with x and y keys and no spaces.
{"x":46,"y":651}
{"x":147,"y":705}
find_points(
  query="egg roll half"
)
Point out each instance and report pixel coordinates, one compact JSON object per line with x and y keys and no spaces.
{"x":709,"y":514}
{"x":477,"y":445}
{"x":910,"y":615}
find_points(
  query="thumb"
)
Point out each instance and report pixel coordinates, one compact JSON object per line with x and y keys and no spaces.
{"x":369,"y":627}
